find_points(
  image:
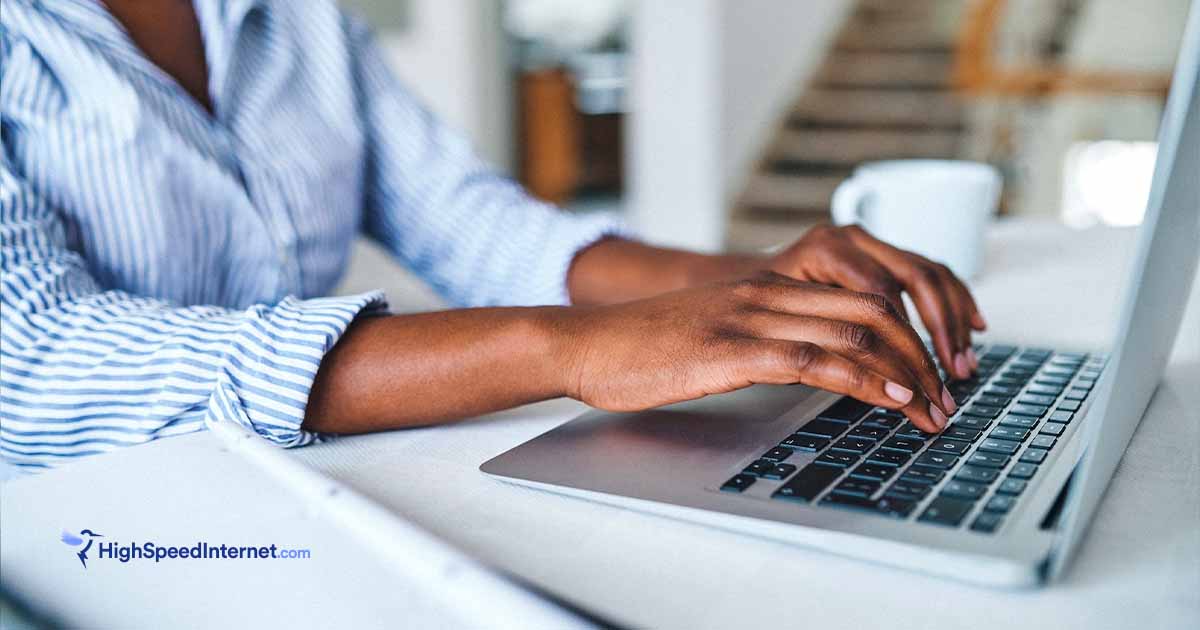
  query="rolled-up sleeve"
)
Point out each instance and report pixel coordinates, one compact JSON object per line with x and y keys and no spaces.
{"x":85,"y":370}
{"x":474,"y":235}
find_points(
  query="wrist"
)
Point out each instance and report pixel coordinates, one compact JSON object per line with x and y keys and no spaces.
{"x":558,"y":335}
{"x":721,"y":267}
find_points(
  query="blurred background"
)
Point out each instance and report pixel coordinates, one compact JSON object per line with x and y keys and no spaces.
{"x":726,"y":125}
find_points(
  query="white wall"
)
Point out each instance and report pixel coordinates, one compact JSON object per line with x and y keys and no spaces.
{"x":710,"y":83}
{"x":451,"y":53}
{"x":769,"y":51}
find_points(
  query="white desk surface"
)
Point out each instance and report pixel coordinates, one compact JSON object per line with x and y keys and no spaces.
{"x":1139,"y":567}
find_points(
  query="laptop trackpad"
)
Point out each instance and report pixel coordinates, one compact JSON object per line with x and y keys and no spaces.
{"x":690,"y":440}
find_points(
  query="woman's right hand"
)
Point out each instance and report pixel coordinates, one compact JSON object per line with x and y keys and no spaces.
{"x":766,"y":329}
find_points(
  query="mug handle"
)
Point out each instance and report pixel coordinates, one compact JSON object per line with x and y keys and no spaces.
{"x":847,"y":203}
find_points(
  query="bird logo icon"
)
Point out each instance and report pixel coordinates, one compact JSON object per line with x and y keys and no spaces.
{"x":72,"y":540}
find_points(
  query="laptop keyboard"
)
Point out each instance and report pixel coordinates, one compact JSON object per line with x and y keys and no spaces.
{"x":1011,"y":415}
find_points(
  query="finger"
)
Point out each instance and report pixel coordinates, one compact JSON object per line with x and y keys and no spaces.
{"x":975,"y":315}
{"x":861,"y":308}
{"x":960,"y":315}
{"x":922,"y":279}
{"x":858,"y":343}
{"x":781,"y":361}
{"x":849,"y":267}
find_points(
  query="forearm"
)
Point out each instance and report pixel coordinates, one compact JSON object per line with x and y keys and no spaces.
{"x":400,"y":371}
{"x":618,"y":270}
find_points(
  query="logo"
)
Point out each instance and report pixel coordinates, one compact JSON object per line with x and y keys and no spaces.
{"x":71,"y":540}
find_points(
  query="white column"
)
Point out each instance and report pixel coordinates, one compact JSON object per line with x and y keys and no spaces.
{"x":675,"y":182}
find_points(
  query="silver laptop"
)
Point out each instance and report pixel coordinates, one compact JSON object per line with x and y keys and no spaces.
{"x":1001,"y":497}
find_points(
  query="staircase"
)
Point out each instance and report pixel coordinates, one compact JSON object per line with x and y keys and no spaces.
{"x":882,"y":92}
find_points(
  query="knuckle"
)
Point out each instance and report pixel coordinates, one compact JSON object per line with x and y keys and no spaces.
{"x":804,"y":356}
{"x":857,"y":378}
{"x":877,"y":306}
{"x":927,"y":274}
{"x":860,"y":339}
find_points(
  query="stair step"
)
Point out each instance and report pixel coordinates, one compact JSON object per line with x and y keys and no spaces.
{"x":886,"y":70}
{"x":771,"y":191}
{"x":854,"y":146}
{"x":886,"y":108}
{"x":896,"y":35}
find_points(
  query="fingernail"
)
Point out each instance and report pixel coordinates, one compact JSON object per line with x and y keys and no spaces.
{"x":974,"y":360}
{"x":898,"y":392}
{"x":960,"y":365}
{"x":939,"y":418}
{"x":948,"y":400}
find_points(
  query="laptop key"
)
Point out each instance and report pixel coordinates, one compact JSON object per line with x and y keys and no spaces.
{"x":1052,"y":428}
{"x":1043,"y":441}
{"x":738,"y":483}
{"x":972,"y":422}
{"x":1061,"y":415}
{"x":895,"y":506}
{"x":808,"y":443}
{"x":983,"y":411}
{"x":1020,"y":422}
{"x":910,"y":430}
{"x":973,"y":474}
{"x":847,"y":410}
{"x":961,"y":433}
{"x":1004,"y":447}
{"x":808,"y":483}
{"x":988,"y":460}
{"x":883,"y":422}
{"x":1045,"y":390}
{"x":987,"y":522}
{"x":885,"y":457}
{"x":1000,"y":390}
{"x":854,"y":445}
{"x":759,"y":467}
{"x":1023,"y":470}
{"x":841,"y":459}
{"x":963,"y":490}
{"x":1070,"y":405}
{"x":1076,"y":394}
{"x":1034,"y":455}
{"x":874,"y":472}
{"x":993,"y":400}
{"x":1009,"y":433}
{"x":823,"y":428}
{"x":778,"y":453}
{"x":780,"y":471}
{"x":940,"y":461}
{"x":1037,"y":399}
{"x":868,"y":433}
{"x":1011,"y":486}
{"x":1036,"y":411}
{"x":952,"y":447}
{"x":946,"y":511}
{"x":857,"y":487}
{"x":911,"y":491}
{"x":921,"y":476}
{"x":1001,"y":503}
{"x":903,"y":444}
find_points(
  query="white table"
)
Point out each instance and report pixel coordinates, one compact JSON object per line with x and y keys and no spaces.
{"x":1043,"y":284}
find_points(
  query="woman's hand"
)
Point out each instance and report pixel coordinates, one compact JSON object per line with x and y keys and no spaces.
{"x":617,"y":270}
{"x":849,"y":257}
{"x":766,"y":329}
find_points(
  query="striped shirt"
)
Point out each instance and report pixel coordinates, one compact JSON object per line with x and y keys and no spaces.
{"x":164,"y":267}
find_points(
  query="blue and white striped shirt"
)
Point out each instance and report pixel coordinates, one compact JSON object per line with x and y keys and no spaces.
{"x":163,"y":267}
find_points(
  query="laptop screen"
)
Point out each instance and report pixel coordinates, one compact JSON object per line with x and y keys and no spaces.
{"x":1154,"y":299}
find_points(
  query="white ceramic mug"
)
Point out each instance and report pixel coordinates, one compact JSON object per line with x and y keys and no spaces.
{"x":937,"y":208}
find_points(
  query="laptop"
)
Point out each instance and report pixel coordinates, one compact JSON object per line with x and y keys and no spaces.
{"x":1001,"y":497}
